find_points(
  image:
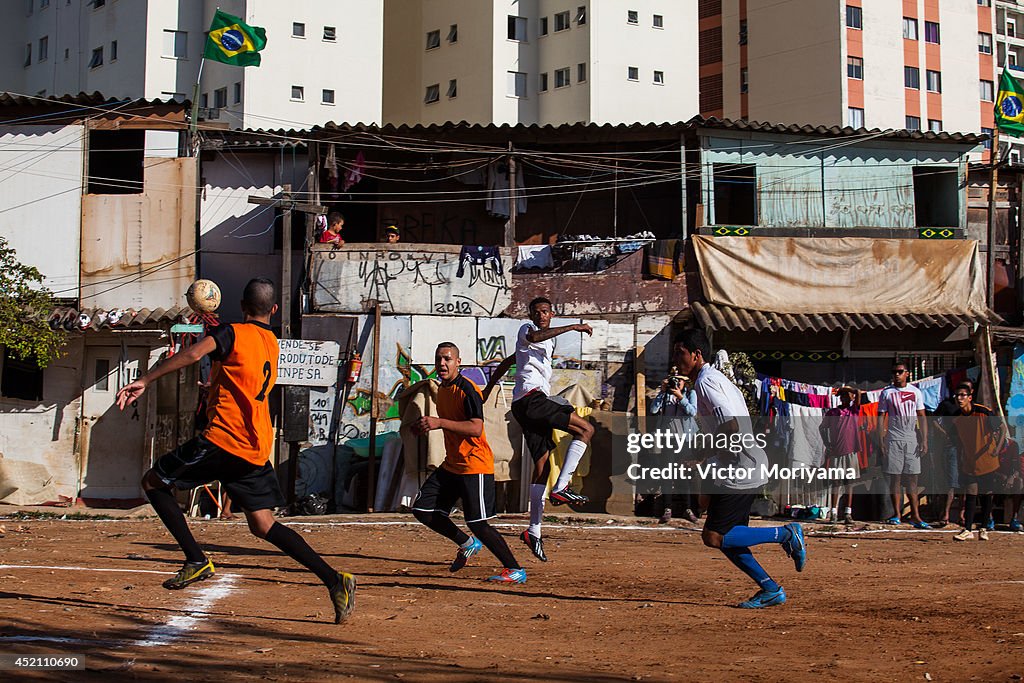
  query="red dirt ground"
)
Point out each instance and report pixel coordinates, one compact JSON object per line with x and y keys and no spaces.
{"x":612,"y":604}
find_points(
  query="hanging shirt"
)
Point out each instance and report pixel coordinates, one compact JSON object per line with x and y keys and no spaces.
{"x":533,"y":363}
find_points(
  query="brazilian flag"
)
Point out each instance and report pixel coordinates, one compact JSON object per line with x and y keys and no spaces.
{"x":1010,"y":105}
{"x":232,"y":41}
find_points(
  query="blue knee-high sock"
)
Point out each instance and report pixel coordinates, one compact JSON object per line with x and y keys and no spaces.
{"x":742,"y":558}
{"x":746,"y":536}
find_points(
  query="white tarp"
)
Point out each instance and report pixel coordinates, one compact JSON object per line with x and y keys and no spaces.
{"x":843,"y":275}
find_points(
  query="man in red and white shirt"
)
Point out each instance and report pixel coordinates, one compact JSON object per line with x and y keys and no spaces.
{"x":903,"y":405}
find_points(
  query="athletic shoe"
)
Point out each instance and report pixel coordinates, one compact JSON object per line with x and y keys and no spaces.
{"x":666,"y":516}
{"x":795,"y":547}
{"x":535,"y":545}
{"x":567,"y":495}
{"x":964,"y":535}
{"x":689,"y":516}
{"x":190,"y":573}
{"x":509,"y":576}
{"x":921,"y":525}
{"x":991,"y":524}
{"x":893,"y":520}
{"x":764,"y":598}
{"x":464,"y":553}
{"x":983,"y":535}
{"x":1015,"y":525}
{"x":343,"y":596}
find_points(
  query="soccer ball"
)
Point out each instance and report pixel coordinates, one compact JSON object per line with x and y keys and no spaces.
{"x":203,"y":296}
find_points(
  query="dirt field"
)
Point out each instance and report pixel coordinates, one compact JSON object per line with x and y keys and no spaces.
{"x":613,"y":603}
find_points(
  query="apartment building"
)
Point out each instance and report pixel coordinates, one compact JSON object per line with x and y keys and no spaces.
{"x":915,"y":64}
{"x":539,"y":61}
{"x":1009,"y":51}
{"x":321,"y":63}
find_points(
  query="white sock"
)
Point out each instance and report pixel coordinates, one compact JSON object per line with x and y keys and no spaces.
{"x":848,"y":511}
{"x":835,"y":511}
{"x":536,"y":508}
{"x":572,"y":460}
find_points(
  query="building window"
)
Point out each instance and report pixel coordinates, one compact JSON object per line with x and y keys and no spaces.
{"x":659,"y":77}
{"x":581,"y":72}
{"x":581,"y":15}
{"x":855,"y":117}
{"x":96,"y":4}
{"x":28,"y":55}
{"x":97,"y":58}
{"x":562,"y":77}
{"x":743,"y":31}
{"x":936,"y":204}
{"x":327,"y":96}
{"x":632,"y":17}
{"x":43,"y":4}
{"x":298,"y":29}
{"x":298,"y":93}
{"x":933,"y":81}
{"x":542,"y":86}
{"x":29,"y":7}
{"x":204,"y":100}
{"x":561,"y":21}
{"x":633,"y":73}
{"x":912,"y":123}
{"x":988,"y":133}
{"x":855,"y":68}
{"x":453,"y":33}
{"x":854,"y":17}
{"x":985,"y":3}
{"x":330,"y":34}
{"x":433,"y":93}
{"x":659,"y":21}
{"x":912,"y":77}
{"x":543,"y":30}
{"x":175,"y":44}
{"x":744,"y":80}
{"x":21,"y":379}
{"x":517,"y":28}
{"x":735,"y":188}
{"x":1011,"y":58}
{"x":935,"y":125}
{"x":237,"y":99}
{"x":987,"y":91}
{"x":516,"y":84}
{"x":909,"y":28}
{"x":931,"y":32}
{"x":220,"y":98}
{"x":44,"y":48}
{"x":984,"y":43}
{"x":434,"y":39}
{"x":67,"y":54}
{"x":453,"y":88}
{"x":115,"y":161}
{"x":113,"y":50}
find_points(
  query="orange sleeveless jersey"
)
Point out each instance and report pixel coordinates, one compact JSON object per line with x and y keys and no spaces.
{"x":240,"y":382}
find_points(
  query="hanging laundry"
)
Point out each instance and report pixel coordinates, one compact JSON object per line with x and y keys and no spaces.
{"x":497,"y":184}
{"x":664,"y":258}
{"x":354,"y":174}
{"x":479,"y":256}
{"x":331,"y":164}
{"x":535,"y":256}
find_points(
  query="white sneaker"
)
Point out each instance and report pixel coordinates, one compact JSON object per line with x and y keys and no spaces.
{"x":983,"y":535}
{"x":964,"y":535}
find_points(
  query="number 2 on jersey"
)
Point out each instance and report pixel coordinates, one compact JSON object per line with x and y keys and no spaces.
{"x":266,"y":382}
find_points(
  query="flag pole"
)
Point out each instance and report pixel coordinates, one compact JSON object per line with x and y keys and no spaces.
{"x":193,"y":125}
{"x":993,"y":186}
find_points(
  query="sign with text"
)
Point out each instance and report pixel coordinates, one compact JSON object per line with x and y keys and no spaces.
{"x":307,"y":363}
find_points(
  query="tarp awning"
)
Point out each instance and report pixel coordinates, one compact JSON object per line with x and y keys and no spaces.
{"x":834,"y":283}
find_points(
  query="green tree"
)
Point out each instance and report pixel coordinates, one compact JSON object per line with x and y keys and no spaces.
{"x":25,"y":306}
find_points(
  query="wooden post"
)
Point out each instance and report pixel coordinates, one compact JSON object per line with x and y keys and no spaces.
{"x":510,"y":226}
{"x":641,"y":381}
{"x":990,"y":270}
{"x":371,"y":487}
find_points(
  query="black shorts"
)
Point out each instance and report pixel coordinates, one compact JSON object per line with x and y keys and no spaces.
{"x":197,"y":462}
{"x":443,"y":489}
{"x":728,"y":508}
{"x":538,"y":414}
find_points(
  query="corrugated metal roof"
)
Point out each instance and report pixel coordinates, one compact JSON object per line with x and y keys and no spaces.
{"x":94,"y":99}
{"x":835,"y":131}
{"x":716,"y":317}
{"x":71,"y":318}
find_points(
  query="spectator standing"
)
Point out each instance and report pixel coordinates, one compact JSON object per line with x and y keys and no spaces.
{"x":980,"y":439}
{"x":678,"y":401}
{"x":332,"y":235}
{"x":840,"y":432}
{"x":903,"y":404}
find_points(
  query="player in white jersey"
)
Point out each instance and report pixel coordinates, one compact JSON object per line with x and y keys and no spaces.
{"x":903,"y":404}
{"x":721,"y":409}
{"x":538,"y":413}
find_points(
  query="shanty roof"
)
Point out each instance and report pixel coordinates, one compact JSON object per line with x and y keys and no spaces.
{"x":71,"y":318}
{"x":717,"y":317}
{"x":94,"y":99}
